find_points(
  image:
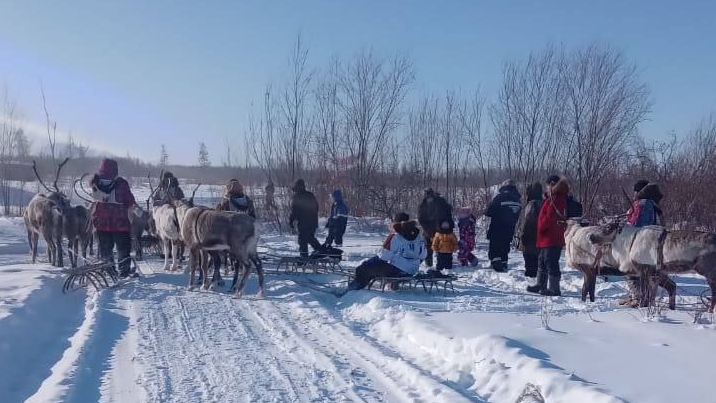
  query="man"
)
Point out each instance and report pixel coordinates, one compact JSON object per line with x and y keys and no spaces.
{"x":167,"y":190}
{"x":504,"y":212}
{"x":234,"y":199}
{"x":113,"y":200}
{"x":644,"y":211}
{"x":550,"y":237}
{"x":304,"y":214}
{"x":432,"y":211}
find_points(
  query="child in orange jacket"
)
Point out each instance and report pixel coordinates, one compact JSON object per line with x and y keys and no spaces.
{"x":444,"y":244}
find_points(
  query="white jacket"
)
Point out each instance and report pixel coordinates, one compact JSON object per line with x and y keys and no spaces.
{"x":405,"y":255}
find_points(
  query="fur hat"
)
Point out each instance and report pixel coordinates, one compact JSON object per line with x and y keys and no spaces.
{"x":640,"y":184}
{"x":108,"y":169}
{"x":234,"y":187}
{"x":446,"y":225}
{"x":508,"y":182}
{"x":552,"y":180}
{"x":464,"y":212}
{"x":337,"y":195}
{"x":535,"y":191}
{"x":299,"y":185}
{"x":400,"y":217}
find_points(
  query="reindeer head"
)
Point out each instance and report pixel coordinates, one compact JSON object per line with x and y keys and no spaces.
{"x":58,"y":197}
{"x":606,"y":233}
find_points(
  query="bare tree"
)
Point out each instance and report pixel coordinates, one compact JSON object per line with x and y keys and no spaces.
{"x":203,"y":159}
{"x":294,"y":109}
{"x":373,"y":91}
{"x":606,"y":101}
{"x":262,"y":139}
{"x":527,"y":115}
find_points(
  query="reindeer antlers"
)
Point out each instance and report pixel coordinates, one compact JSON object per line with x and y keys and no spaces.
{"x":81,"y":182}
{"x":191,"y":199}
{"x":57,"y":175}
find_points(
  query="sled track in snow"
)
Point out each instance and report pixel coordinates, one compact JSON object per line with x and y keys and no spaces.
{"x":199,"y":346}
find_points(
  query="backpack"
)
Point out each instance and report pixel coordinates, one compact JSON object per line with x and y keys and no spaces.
{"x":574,"y":208}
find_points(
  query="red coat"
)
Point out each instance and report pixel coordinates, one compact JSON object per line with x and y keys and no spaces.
{"x":550,"y":221}
{"x":110,"y":212}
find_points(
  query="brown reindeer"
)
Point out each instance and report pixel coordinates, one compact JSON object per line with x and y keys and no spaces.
{"x":205,"y":230}
{"x":45,"y":215}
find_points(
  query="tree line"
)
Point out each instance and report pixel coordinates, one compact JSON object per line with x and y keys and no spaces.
{"x":357,"y":124}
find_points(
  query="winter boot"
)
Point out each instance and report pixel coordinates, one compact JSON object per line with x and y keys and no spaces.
{"x":474,"y":262}
{"x":498,"y":265}
{"x":541,"y":286}
{"x":553,"y":289}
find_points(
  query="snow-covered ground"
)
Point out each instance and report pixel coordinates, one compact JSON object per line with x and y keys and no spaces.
{"x":151,"y":340}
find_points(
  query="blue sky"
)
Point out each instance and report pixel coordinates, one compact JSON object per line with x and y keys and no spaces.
{"x":129,"y":75}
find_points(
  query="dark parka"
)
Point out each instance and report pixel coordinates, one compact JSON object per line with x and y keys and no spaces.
{"x":528,"y":229}
{"x":304,"y":209}
{"x":504,"y":211}
{"x":433,"y":210}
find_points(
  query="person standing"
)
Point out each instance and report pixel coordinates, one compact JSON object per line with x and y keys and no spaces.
{"x":112,"y":201}
{"x":304,"y":215}
{"x":433,"y":210}
{"x":504,"y":211}
{"x":337,"y":221}
{"x":235,"y":199}
{"x":528,"y":230}
{"x":466,"y":226}
{"x":550,"y":237}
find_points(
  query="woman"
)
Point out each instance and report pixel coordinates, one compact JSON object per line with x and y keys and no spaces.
{"x":400,"y":256}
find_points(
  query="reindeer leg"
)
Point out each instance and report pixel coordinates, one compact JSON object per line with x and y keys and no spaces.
{"x":216,"y":260}
{"x":247,"y":269}
{"x":260,"y":272}
{"x":668,"y":284}
{"x":204,"y":259}
{"x":192,"y":265}
{"x":175,"y":258}
{"x":712,"y":286}
{"x":165,"y":245}
{"x":34,"y":238}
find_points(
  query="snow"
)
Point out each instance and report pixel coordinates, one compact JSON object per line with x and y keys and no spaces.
{"x":151,"y":340}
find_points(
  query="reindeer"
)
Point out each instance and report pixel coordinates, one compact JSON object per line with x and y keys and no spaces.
{"x":166,"y":225}
{"x":45,"y":215}
{"x":594,"y":260}
{"x":206,"y":230}
{"x":654,"y":250}
{"x":139,"y":221}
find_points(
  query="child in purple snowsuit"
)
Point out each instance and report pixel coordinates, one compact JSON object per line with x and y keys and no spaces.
{"x":466,"y":225}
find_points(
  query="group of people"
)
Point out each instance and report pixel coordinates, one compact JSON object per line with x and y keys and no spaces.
{"x":542,"y":223}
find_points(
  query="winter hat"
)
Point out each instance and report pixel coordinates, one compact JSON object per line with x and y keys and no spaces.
{"x":299,"y":186}
{"x":534,"y":191}
{"x":429,"y":192}
{"x":337,"y":195}
{"x":167,"y":175}
{"x":553,"y":179}
{"x":108,"y":169}
{"x":508,"y":182}
{"x":446,"y":225}
{"x":400,"y":217}
{"x":234,"y":187}
{"x":464,"y":212}
{"x":640,"y":184}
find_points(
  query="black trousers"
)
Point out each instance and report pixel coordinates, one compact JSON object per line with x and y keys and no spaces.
{"x":531,"y":263}
{"x":373,"y":268}
{"x":498,"y":249}
{"x":123,"y":242}
{"x":549,"y":261}
{"x":444,"y":261}
{"x":429,"y":246}
{"x":306,"y":238}
{"x":335,"y":233}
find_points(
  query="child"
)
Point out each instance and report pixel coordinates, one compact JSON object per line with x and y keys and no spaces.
{"x":444,"y":244}
{"x":466,"y":224}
